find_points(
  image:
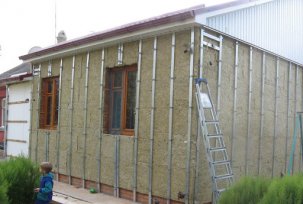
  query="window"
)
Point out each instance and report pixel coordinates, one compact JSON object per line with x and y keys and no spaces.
{"x":3,"y":101}
{"x":49,"y":103}
{"x":120,"y":100}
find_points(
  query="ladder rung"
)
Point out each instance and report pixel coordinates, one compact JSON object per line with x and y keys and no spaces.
{"x":221,"y":162}
{"x":224,"y":176}
{"x":211,"y":122}
{"x":216,"y":149}
{"x":214,"y":135}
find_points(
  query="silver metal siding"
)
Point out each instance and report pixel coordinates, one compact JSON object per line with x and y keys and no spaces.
{"x":276,"y":26}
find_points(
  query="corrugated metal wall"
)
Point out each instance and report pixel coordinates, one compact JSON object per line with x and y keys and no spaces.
{"x":276,"y":26}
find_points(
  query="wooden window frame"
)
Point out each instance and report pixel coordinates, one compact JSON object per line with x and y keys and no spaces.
{"x":125,"y":70}
{"x":43,"y":103}
{"x":124,"y":130}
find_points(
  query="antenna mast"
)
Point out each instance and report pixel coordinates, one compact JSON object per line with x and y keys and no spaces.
{"x":55,"y":21}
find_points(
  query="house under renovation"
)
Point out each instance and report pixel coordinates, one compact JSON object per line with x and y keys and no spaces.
{"x":116,"y":110}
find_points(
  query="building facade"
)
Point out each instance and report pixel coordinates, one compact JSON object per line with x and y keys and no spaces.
{"x":116,"y":110}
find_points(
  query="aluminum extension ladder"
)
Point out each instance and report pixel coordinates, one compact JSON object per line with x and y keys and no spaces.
{"x":216,"y":153}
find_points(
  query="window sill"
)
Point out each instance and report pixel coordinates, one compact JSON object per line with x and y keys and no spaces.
{"x":112,"y":135}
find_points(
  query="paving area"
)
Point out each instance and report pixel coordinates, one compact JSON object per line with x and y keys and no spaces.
{"x":67,"y":194}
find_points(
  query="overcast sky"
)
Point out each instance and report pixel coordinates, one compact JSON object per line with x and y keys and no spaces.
{"x":28,"y":23}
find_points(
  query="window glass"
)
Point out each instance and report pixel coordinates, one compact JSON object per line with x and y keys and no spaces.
{"x":117,"y":79}
{"x":50,"y":87}
{"x":131,"y":100}
{"x":57,"y":102}
{"x":49,"y":110}
{"x":116,"y":117}
{"x":49,"y":103}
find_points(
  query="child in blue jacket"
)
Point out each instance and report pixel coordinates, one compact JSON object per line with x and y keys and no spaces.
{"x":45,"y":191}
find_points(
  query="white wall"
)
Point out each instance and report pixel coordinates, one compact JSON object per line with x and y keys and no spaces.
{"x":275,"y":26}
{"x":19,"y":119}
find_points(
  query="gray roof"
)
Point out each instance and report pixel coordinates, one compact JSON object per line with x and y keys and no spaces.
{"x":22,"y":68}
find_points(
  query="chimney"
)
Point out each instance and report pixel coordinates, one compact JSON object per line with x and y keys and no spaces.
{"x":61,"y":37}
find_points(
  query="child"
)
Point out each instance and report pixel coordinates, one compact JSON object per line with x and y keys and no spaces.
{"x":45,"y":192}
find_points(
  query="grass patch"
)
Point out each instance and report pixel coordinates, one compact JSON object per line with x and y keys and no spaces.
{"x":248,"y":190}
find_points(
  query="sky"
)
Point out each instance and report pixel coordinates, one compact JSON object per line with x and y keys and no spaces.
{"x":28,"y":23}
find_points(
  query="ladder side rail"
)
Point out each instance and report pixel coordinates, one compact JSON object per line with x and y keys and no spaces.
{"x":204,"y":131}
{"x":228,"y":167}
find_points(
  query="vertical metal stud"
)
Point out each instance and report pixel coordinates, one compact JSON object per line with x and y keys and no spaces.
{"x":275,"y":118}
{"x":261,"y":112}
{"x":120,"y":54}
{"x":101,"y":109}
{"x":288,"y":116}
{"x":118,"y":168}
{"x":235,"y":101}
{"x":219,"y":78}
{"x":249,"y":109}
{"x":198,"y":142}
{"x":49,"y":68}
{"x":137,"y":122}
{"x":85,"y":119}
{"x":152,"y":118}
{"x":31,"y":112}
{"x":170,"y":116}
{"x":296,"y":108}
{"x":37,"y":116}
{"x":59,"y":118}
{"x":71,"y":112}
{"x":6,"y":123}
{"x":189,"y":116}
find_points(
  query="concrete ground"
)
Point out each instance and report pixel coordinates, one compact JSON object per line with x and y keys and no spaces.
{"x":67,"y":194}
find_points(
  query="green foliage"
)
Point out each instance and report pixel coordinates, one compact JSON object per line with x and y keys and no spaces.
{"x":3,"y":190}
{"x":287,"y":190}
{"x":246,"y":191}
{"x":19,"y":177}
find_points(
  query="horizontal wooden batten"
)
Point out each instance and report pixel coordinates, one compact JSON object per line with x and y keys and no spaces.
{"x":16,"y":121}
{"x":18,"y":102}
{"x":14,"y":140}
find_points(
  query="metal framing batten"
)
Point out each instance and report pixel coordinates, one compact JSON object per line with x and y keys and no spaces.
{"x":235,"y":101}
{"x":85,"y":120}
{"x":137,"y":122}
{"x":189,"y":116}
{"x":59,"y":116}
{"x":261,"y":112}
{"x":247,"y":147}
{"x":152,"y":118}
{"x":101,"y":111}
{"x":275,"y":118}
{"x":170,"y":117}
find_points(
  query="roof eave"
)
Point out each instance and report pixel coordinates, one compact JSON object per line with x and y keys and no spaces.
{"x":74,"y":44}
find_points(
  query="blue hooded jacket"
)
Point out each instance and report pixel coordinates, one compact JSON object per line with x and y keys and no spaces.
{"x":46,"y":188}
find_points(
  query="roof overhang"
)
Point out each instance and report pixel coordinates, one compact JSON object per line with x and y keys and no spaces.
{"x":76,"y":48}
{"x":156,"y":26}
{"x":141,"y":29}
{"x":17,"y":79}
